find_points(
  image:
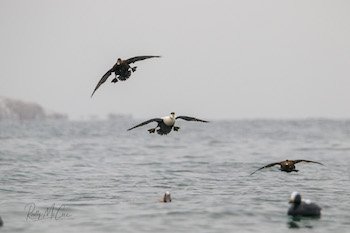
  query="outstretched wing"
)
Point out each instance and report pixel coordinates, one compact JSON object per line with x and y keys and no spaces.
{"x":139,"y":58}
{"x":269,"y":165}
{"x":187,"y":118}
{"x":146,"y":122}
{"x":307,"y":161}
{"x":102,"y":80}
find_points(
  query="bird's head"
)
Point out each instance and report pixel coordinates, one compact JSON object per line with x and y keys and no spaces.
{"x":119,"y":61}
{"x":172,"y":114}
{"x":167,"y":197}
{"x":295,"y":198}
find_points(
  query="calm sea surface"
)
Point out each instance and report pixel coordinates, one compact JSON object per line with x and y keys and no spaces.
{"x":94,"y":176}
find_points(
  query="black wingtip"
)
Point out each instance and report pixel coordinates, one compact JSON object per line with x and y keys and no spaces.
{"x":92,"y":93}
{"x":251,"y":173}
{"x":318,"y":163}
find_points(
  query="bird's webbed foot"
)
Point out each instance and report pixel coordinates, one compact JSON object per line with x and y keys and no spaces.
{"x":176,"y":128}
{"x":152,"y":130}
{"x":295,"y":170}
{"x":133,"y":68}
{"x":115,"y":80}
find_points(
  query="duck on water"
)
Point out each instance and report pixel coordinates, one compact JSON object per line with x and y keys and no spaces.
{"x":304,"y":208}
{"x":166,"y":123}
{"x":166,"y":197}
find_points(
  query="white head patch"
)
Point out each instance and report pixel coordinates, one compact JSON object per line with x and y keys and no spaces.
{"x":293,"y":195}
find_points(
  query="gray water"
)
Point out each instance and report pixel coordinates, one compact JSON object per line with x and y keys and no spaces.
{"x":101,"y":178}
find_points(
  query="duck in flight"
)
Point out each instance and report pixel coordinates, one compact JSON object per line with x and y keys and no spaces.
{"x":167,"y":123}
{"x":121,"y":69}
{"x":287,"y":165}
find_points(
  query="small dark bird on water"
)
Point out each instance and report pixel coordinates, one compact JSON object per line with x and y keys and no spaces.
{"x":287,"y":165}
{"x":303,"y":208}
{"x":166,"y":197}
{"x":121,"y":69}
{"x":167,"y":123}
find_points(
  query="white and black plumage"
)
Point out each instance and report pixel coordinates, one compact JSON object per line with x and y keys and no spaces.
{"x":167,"y":123}
{"x":287,"y":165}
{"x":166,"y":197}
{"x":301,"y":207}
{"x":121,"y":69}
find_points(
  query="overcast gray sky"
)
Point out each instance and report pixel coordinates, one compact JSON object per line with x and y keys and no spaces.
{"x":220,"y":59}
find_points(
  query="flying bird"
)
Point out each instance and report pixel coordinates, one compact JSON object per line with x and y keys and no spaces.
{"x":121,"y":69}
{"x":167,"y":123}
{"x":287,"y":165}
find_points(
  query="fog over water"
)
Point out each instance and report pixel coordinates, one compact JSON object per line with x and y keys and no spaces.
{"x":221,"y":60}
